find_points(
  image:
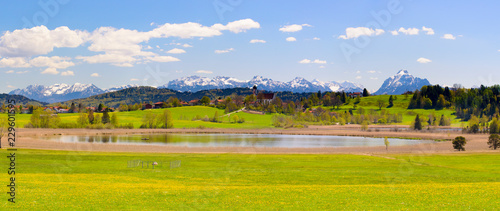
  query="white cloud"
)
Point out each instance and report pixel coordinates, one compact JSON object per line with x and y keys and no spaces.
{"x":305,"y":61}
{"x":316,"y":38}
{"x":316,"y":61}
{"x":238,"y":26}
{"x":54,"y":61}
{"x":449,"y":37}
{"x":50,"y":70}
{"x":373,"y":78}
{"x":68,"y":73}
{"x":120,"y":47}
{"x":321,"y":66}
{"x":224,"y":51}
{"x":10,"y":86}
{"x":187,"y":45}
{"x":358,"y":72}
{"x":204,"y":71}
{"x":293,"y":27}
{"x":257,"y":41}
{"x":18,"y":72}
{"x":15,"y":62}
{"x":423,"y":60}
{"x":134,"y":79}
{"x":115,"y":59}
{"x":39,"y":40}
{"x":291,"y":39}
{"x":176,"y":51}
{"x":395,"y":33}
{"x":372,"y":71}
{"x":409,"y":31}
{"x":358,"y":77}
{"x":163,"y":59}
{"x":95,"y":75}
{"x":352,"y":33}
{"x":429,"y":31}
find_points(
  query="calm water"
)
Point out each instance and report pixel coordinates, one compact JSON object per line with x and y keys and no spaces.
{"x":237,"y":140}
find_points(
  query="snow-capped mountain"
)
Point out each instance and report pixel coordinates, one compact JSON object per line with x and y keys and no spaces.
{"x":58,"y":92}
{"x":298,"y":84}
{"x":401,"y":83}
{"x":118,"y":88}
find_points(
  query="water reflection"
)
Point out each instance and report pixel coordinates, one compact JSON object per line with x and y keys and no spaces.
{"x":242,"y":140}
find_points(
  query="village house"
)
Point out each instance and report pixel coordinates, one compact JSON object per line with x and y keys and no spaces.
{"x":266,"y":97}
{"x":216,"y":102}
{"x":62,"y":110}
{"x":147,"y":106}
{"x":193,"y":102}
{"x":158,"y":105}
{"x":355,"y":94}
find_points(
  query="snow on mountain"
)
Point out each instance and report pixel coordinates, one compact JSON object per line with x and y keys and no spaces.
{"x":65,"y":92}
{"x":298,"y":84}
{"x":401,"y":83}
{"x":118,"y":88}
{"x":58,"y":92}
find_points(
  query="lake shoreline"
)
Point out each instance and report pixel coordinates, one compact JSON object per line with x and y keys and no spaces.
{"x":30,"y":139}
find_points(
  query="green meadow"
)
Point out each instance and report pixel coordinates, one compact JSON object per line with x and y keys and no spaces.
{"x":183,"y":116}
{"x":68,"y":180}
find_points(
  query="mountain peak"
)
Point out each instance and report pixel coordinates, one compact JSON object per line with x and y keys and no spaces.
{"x":403,"y":72}
{"x":401,"y":83}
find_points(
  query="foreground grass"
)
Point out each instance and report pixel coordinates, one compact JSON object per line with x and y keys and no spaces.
{"x":64,"y":180}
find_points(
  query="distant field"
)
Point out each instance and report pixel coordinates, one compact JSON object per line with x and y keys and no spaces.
{"x":65,"y":180}
{"x":183,"y":115}
{"x":187,"y":113}
{"x":400,"y":106}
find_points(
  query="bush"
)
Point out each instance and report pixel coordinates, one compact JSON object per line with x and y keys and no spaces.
{"x":67,"y":125}
{"x":29,"y":125}
{"x":282,"y":121}
{"x":126,"y":126}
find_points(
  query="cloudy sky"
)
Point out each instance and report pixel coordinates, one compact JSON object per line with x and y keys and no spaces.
{"x":110,"y":43}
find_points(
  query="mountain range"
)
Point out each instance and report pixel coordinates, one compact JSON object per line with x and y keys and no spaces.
{"x":63,"y":92}
{"x":298,"y":84}
{"x":397,"y":84}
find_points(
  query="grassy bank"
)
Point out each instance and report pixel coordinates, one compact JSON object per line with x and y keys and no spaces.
{"x":63,"y":180}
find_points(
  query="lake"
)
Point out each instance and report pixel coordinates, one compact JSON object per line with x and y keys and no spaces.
{"x":237,"y":140}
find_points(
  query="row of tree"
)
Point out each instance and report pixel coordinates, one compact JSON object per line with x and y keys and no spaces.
{"x":479,"y":102}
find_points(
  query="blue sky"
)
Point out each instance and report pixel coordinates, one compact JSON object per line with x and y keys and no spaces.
{"x":110,"y":43}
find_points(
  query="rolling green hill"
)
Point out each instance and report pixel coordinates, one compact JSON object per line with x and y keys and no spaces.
{"x":4,"y":98}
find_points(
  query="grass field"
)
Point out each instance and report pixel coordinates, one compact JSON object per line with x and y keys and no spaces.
{"x":64,"y":180}
{"x":400,"y":107}
{"x":187,"y":113}
{"x":183,"y":115}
